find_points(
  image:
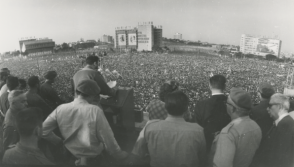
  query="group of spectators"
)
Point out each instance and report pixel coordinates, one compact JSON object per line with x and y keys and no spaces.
{"x":200,"y":112}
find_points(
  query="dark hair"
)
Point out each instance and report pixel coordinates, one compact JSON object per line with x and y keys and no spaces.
{"x":82,"y":94}
{"x":291,"y":108}
{"x":90,"y":60}
{"x":22,"y":83}
{"x":12,"y":82}
{"x":166,"y":88}
{"x":33,"y":81}
{"x":218,"y":82}
{"x":3,"y":74}
{"x":267,"y":93}
{"x":27,"y":120}
{"x":176,"y":103}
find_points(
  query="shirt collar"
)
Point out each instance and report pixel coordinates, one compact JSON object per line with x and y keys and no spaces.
{"x":280,"y":118}
{"x":216,"y":94}
{"x":80,"y":100}
{"x":177,"y":119}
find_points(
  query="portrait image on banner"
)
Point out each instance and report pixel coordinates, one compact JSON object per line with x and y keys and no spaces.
{"x":132,"y":39}
{"x":267,"y":46}
{"x":122,"y":39}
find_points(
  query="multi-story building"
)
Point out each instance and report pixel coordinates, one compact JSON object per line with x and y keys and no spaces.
{"x":33,"y":46}
{"x":259,"y":45}
{"x":106,"y":39}
{"x":178,"y":36}
{"x":142,"y":38}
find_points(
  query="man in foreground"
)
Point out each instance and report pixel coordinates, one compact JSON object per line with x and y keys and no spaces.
{"x":211,"y":113}
{"x":26,"y":151}
{"x":277,"y":149}
{"x":173,"y":141}
{"x":84,"y":127}
{"x":237,"y":142}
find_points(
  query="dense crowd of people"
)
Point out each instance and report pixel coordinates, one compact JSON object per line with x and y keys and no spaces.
{"x":217,"y":93}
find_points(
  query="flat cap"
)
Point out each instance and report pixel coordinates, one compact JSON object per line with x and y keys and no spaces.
{"x":266,"y":89}
{"x":50,"y":75}
{"x":240,"y":98}
{"x":88,"y":87}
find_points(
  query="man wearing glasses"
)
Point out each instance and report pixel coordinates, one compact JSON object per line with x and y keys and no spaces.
{"x":277,"y":149}
{"x":237,"y":142}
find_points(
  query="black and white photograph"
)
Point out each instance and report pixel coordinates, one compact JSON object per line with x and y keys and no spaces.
{"x":147,"y":83}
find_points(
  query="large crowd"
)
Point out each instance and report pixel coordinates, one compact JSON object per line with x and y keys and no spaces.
{"x":145,"y":72}
{"x":201,"y":110}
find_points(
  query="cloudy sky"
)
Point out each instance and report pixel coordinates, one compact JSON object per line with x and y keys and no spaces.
{"x":214,"y":21}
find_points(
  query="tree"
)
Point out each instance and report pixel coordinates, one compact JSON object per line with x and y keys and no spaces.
{"x":221,"y":52}
{"x":64,"y":46}
{"x":250,"y":55}
{"x":270,"y":57}
{"x":238,"y":54}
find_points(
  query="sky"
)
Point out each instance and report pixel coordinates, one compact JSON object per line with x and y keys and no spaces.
{"x":213,"y":21}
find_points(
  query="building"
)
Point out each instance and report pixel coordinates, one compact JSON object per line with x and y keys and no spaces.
{"x":106,"y":39}
{"x":141,"y":38}
{"x":178,"y":36}
{"x":260,"y":45}
{"x":33,"y":46}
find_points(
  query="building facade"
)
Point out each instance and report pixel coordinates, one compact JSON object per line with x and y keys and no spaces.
{"x":259,"y":45}
{"x":106,"y":39}
{"x":178,"y":36}
{"x":34,"y":47}
{"x":142,"y":38}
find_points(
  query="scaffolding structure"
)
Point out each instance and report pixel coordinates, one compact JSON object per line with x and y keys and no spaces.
{"x":289,"y":87}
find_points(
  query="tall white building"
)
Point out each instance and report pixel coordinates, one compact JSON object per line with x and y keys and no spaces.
{"x":260,"y":45}
{"x":178,"y":36}
{"x":145,"y":36}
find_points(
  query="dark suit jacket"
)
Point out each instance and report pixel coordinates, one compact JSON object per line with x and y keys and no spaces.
{"x":4,"y":104}
{"x":260,"y":115}
{"x":277,"y":149}
{"x":50,"y":95}
{"x":212,"y":115}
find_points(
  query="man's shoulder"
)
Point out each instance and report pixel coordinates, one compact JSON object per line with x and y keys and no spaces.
{"x":4,"y":96}
{"x":287,"y":123}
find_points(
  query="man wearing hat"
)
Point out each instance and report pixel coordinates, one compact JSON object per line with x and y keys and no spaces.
{"x":47,"y":92}
{"x":237,"y":142}
{"x":259,"y":113}
{"x":90,"y":72}
{"x":83,"y":126}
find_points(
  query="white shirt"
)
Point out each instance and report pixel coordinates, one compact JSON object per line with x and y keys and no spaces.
{"x":291,"y":114}
{"x":280,"y":118}
{"x":216,"y":94}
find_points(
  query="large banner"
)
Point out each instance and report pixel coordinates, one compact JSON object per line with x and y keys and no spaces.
{"x":122,"y":39}
{"x":132,"y":39}
{"x":268,"y":46}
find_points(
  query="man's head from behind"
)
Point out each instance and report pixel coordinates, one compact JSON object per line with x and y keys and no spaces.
{"x":176,"y":103}
{"x":29,"y":122}
{"x":278,"y":105}
{"x":50,"y":76}
{"x":217,"y":82}
{"x":265,"y":90}
{"x":12,"y":83}
{"x":17,"y":100}
{"x":92,"y":61}
{"x":34,"y":82}
{"x":88,"y":90}
{"x":5,"y":70}
{"x":238,"y":103}
{"x":3,"y":76}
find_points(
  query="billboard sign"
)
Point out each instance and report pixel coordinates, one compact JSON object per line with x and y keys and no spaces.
{"x":268,"y":46}
{"x":132,"y":39}
{"x":122,"y":39}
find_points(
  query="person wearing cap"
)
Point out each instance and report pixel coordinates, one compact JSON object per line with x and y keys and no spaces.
{"x":236,"y":144}
{"x":83,"y":126}
{"x":4,"y":87}
{"x":26,"y":152}
{"x":211,"y":113}
{"x":173,"y":141}
{"x":259,"y":113}
{"x":34,"y":100}
{"x":277,"y":149}
{"x":90,"y":72}
{"x":47,"y":92}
